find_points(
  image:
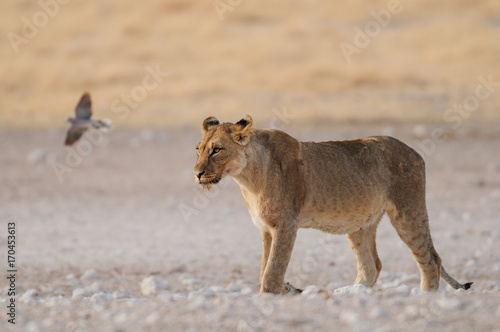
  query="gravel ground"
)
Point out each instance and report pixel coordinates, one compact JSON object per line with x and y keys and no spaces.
{"x":127,"y":242}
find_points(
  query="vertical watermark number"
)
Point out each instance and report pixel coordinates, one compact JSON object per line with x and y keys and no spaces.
{"x":11,"y":271}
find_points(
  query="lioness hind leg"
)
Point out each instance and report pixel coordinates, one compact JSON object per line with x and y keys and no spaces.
{"x":363,"y":245}
{"x":413,"y":228}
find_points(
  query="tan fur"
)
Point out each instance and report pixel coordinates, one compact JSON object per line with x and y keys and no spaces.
{"x":338,"y":187}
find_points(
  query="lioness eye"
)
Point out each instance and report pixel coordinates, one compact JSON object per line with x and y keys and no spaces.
{"x":216,"y":150}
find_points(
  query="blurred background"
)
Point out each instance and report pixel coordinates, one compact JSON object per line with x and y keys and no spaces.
{"x":244,"y":57}
{"x":115,"y":209}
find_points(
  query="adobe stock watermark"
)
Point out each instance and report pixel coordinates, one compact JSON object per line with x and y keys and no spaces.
{"x":31,"y":26}
{"x":458,"y":113}
{"x":281,"y":118}
{"x":223,"y":6}
{"x":121,"y":107}
{"x":363,"y":37}
{"x":130,"y":101}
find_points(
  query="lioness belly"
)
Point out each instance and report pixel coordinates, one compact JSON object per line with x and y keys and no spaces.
{"x":337,"y":224}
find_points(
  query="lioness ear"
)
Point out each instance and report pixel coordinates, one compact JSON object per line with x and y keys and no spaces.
{"x":209,"y":123}
{"x":240,"y":132}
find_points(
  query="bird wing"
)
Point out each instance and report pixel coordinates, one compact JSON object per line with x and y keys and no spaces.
{"x":74,"y":133}
{"x":83,"y":109}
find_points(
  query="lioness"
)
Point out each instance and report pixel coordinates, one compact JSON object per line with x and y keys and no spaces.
{"x":338,"y":187}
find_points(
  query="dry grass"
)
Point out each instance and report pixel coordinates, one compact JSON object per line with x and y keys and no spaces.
{"x":261,"y":56}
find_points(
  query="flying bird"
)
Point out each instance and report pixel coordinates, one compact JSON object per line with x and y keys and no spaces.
{"x":82,"y":122}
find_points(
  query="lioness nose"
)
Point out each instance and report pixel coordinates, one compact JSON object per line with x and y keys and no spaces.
{"x":199,"y":174}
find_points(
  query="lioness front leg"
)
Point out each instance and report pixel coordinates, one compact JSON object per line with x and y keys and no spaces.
{"x":266,"y":249}
{"x":283,"y":239}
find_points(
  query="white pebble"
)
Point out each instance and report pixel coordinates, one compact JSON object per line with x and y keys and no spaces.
{"x":392,"y":284}
{"x":94,"y":288}
{"x":400,"y":290}
{"x":165,"y":297}
{"x":354,"y":289}
{"x":311,"y":289}
{"x":74,"y":282}
{"x":89,"y":275}
{"x":378,"y":312}
{"x":416,"y":291}
{"x":80,"y":293}
{"x":449,"y":304}
{"x":217,"y":289}
{"x":47,"y":288}
{"x":121,"y":295}
{"x":29,"y":296}
{"x":233,"y":287}
{"x":191,"y":283}
{"x":185,"y":276}
{"x":349,"y":317}
{"x":38,"y":156}
{"x":100,"y":298}
{"x":246,"y":291}
{"x":152,"y":318}
{"x":32,"y":327}
{"x":151,"y":286}
{"x":180,"y":296}
{"x":412,"y":311}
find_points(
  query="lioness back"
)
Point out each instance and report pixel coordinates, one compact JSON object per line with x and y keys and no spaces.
{"x":354,"y":182}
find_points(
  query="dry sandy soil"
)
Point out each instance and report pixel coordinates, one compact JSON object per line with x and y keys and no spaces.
{"x":109,"y":249}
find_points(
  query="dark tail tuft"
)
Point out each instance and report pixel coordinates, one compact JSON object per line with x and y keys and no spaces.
{"x":467,"y":285}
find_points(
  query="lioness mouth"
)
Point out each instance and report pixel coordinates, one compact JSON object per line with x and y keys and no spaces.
{"x":208,"y":184}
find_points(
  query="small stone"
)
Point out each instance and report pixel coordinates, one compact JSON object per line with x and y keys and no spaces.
{"x":121,"y":295}
{"x":32,"y":327}
{"x":412,"y":310}
{"x":38,"y":156}
{"x":151,"y":286}
{"x":47,"y":288}
{"x":378,"y":312}
{"x":29,"y":296}
{"x":233,"y":287}
{"x":165,"y":297}
{"x":208,"y":293}
{"x":89,"y":275}
{"x":184,"y":276}
{"x":217,"y":289}
{"x":80,"y":293}
{"x":152,"y":318}
{"x":400,"y":290}
{"x":354,"y":289}
{"x":74,"y":282}
{"x":94,"y":288}
{"x":100,"y":298}
{"x":246,"y":291}
{"x":416,"y":291}
{"x":311,"y":289}
{"x":349,"y":317}
{"x":179,"y":296}
{"x":449,"y":304}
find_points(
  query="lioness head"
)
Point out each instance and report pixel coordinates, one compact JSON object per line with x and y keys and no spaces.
{"x":221,"y":150}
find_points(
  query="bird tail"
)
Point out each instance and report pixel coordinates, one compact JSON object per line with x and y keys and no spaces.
{"x":103,"y":124}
